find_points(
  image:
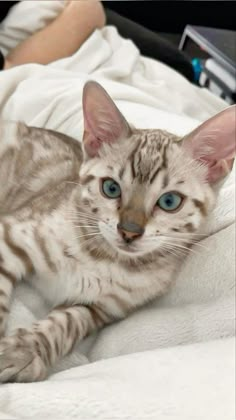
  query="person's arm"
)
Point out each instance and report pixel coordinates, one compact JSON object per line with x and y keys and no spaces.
{"x":62,"y":37}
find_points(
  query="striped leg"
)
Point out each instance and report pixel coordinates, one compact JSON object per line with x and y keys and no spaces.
{"x":14,"y":265}
{"x":7,"y":282}
{"x":28,"y":355}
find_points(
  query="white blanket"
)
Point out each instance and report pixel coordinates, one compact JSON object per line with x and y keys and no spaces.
{"x":193,"y":382}
{"x":179,"y":382}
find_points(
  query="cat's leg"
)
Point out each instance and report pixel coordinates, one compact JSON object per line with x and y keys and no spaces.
{"x":7,"y":283}
{"x":27,"y":355}
{"x":14,"y":264}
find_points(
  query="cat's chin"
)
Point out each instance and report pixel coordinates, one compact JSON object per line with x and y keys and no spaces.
{"x":115,"y":244}
{"x":123,"y":249}
{"x":130,"y":250}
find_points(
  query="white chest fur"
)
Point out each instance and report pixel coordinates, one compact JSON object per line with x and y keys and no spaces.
{"x":93,"y":281}
{"x":77,"y":278}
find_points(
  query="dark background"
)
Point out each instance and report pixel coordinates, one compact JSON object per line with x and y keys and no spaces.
{"x":169,"y":16}
{"x":173,"y":16}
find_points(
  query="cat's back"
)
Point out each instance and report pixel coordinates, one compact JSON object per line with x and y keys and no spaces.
{"x":34,"y":162}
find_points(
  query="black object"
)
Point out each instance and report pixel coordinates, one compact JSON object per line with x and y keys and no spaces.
{"x":5,"y":7}
{"x":151,"y":44}
{"x":218,"y":43}
{"x":1,"y":60}
{"x":226,"y":92}
{"x":173,"y":16}
{"x":218,"y":48}
{"x":167,"y":16}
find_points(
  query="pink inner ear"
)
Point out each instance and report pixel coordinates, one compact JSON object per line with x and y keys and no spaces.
{"x":91,"y":143}
{"x":213,"y":143}
{"x":103,"y":122}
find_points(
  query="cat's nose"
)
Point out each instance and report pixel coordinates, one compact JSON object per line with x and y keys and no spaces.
{"x":130,"y":231}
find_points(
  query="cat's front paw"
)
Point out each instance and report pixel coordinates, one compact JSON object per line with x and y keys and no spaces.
{"x":19,"y":361}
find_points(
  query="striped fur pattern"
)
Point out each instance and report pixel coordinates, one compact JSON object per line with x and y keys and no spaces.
{"x":59,"y":233}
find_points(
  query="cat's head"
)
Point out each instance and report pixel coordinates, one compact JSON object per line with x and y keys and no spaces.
{"x":142,"y":190}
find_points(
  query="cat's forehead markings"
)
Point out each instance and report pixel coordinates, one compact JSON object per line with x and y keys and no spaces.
{"x":149,"y":161}
{"x":121,"y":172}
{"x":144,"y":142}
{"x":86,"y":179}
{"x":155,"y":173}
{"x":165,"y":181}
{"x":131,"y":157}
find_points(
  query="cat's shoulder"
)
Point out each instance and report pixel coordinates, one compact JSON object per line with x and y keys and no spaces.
{"x":18,"y":134}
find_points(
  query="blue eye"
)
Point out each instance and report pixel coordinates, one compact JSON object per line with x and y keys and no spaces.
{"x":169,"y":201}
{"x":111,"y":189}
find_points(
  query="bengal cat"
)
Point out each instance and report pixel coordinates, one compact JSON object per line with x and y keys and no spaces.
{"x":99,"y":229}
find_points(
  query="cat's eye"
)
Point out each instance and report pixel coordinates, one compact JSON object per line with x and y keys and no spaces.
{"x":170,"y":201}
{"x":110,"y":188}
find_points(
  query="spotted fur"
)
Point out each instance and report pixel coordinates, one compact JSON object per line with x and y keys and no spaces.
{"x":59,"y":233}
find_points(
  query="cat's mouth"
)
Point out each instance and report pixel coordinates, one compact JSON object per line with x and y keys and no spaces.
{"x":124,"y":248}
{"x":127,"y":248}
{"x":132,"y":249}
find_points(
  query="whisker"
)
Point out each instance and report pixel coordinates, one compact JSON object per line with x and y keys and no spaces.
{"x":177,"y":253}
{"x":76,"y":183}
{"x":89,"y":234}
{"x":186,"y":234}
{"x":85,"y":226}
{"x":83,"y":223}
{"x":177,"y":246}
{"x":170,"y":250}
{"x":86,"y":222}
{"x":87,"y":241}
{"x":192,"y":242}
{"x":181,"y":247}
{"x":84,"y":214}
{"x":199,"y":245}
{"x":84,"y":217}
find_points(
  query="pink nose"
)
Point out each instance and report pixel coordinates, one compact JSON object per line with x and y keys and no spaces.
{"x":129,"y":231}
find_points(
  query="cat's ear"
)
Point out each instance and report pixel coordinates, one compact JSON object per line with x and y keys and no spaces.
{"x":213,"y":143}
{"x":103,"y":122}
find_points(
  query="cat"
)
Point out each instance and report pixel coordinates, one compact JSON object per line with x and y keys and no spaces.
{"x":99,"y":229}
